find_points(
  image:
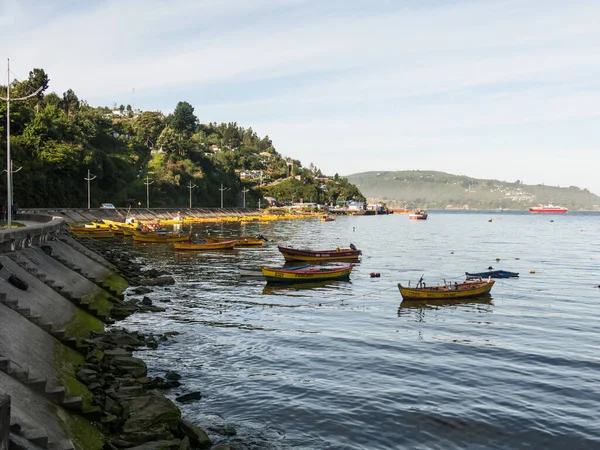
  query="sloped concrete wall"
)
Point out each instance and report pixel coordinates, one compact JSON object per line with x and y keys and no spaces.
{"x":4,"y":421}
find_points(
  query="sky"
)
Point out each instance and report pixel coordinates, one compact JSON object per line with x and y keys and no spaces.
{"x":504,"y":89}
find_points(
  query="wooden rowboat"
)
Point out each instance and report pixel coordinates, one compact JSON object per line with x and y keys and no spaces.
{"x":242,"y":241}
{"x":338,"y":254}
{"x":225,"y":245}
{"x":313,"y":273}
{"x":446,"y":291}
{"x":492,"y":274}
{"x":160,"y":237}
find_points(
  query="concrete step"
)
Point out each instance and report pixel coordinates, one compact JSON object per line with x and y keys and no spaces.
{"x":37,"y":437}
{"x":73,"y":403}
{"x":24,"y":311}
{"x":37,"y":384}
{"x":56,"y":394}
{"x":46,"y":326}
{"x":42,"y":276}
{"x":11,"y":303}
{"x":34,"y":318}
{"x":18,"y":373}
{"x":4,"y":364}
{"x":63,"y":445}
{"x":59,"y":334}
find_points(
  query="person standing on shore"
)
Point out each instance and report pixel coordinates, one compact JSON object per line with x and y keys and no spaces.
{"x":14,"y":208}
{"x":3,"y":212}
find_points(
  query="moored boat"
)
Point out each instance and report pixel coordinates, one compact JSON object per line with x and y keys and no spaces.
{"x":225,"y":245}
{"x":418,"y":214}
{"x":312,"y":273}
{"x":552,"y":209}
{"x":338,"y":254}
{"x":446,"y":291}
{"x":242,"y":241}
{"x":327,"y":218}
{"x":492,"y":274}
{"x":156,"y":237}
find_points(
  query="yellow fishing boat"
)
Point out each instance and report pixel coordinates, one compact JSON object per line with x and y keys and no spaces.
{"x":311,"y":273}
{"x":159,"y":237}
{"x":225,"y":245}
{"x":242,"y":241}
{"x":469,"y":288}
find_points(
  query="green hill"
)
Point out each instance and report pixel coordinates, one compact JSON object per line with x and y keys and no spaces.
{"x":439,"y":190}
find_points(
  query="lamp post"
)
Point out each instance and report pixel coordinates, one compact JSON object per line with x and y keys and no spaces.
{"x":89,"y":178}
{"x":190,"y":187}
{"x":244,"y":191}
{"x":222,"y":190}
{"x":148,"y":183}
{"x":9,"y":199}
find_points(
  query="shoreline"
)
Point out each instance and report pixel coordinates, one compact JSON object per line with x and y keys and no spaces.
{"x":88,"y":373}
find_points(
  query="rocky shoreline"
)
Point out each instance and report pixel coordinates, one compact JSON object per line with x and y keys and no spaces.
{"x":135,"y":414}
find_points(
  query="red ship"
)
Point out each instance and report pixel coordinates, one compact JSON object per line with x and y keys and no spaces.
{"x":548,"y":209}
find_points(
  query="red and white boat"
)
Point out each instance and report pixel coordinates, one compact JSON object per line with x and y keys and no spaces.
{"x":418,"y":214}
{"x":548,"y":209}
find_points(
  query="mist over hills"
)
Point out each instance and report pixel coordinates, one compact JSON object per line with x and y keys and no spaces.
{"x":439,"y":190}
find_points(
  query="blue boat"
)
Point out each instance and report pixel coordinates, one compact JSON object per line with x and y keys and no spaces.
{"x":492,"y":274}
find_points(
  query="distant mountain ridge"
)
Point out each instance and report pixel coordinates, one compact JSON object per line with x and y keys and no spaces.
{"x":440,"y":190}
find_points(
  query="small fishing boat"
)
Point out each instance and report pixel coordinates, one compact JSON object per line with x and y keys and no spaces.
{"x":338,"y":254}
{"x":552,"y":209}
{"x":242,"y":241}
{"x":418,"y":214}
{"x":492,"y":274}
{"x":311,"y":273}
{"x":327,"y":219}
{"x":469,"y":288}
{"x":256,"y":272}
{"x":225,"y":245}
{"x":160,"y":237}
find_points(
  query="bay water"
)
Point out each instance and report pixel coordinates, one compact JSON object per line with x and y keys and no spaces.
{"x":348,"y":365}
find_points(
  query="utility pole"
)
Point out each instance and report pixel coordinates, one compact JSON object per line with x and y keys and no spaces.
{"x":190,"y":187}
{"x":89,"y":178}
{"x":9,"y":198}
{"x":244,"y":191}
{"x":148,"y":183}
{"x":222,"y":190}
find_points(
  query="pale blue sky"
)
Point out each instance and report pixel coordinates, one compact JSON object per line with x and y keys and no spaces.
{"x":506,"y":89}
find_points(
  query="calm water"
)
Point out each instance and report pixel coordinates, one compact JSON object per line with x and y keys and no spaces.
{"x":346,"y":365}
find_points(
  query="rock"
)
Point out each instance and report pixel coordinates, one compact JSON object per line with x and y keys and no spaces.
{"x":147,"y":301}
{"x":198,"y":437}
{"x":163,"y":280}
{"x":185,"y":444}
{"x":130,"y":365}
{"x":189,"y":397}
{"x":173,"y":444}
{"x":224,"y":429}
{"x":172,"y":375}
{"x":150,"y":417}
{"x":141,"y":290}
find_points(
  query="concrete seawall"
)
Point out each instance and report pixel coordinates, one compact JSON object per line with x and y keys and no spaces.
{"x":46,"y":308}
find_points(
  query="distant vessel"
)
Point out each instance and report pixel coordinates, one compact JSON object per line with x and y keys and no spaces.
{"x":548,"y":209}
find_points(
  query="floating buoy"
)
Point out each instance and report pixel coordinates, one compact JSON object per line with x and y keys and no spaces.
{"x":452,"y":253}
{"x":532,"y":271}
{"x":490,"y":268}
{"x":497,"y":259}
{"x":375,"y":274}
{"x":552,"y":221}
{"x":490,"y":220}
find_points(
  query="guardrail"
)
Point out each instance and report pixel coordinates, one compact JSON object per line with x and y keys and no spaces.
{"x":38,"y":228}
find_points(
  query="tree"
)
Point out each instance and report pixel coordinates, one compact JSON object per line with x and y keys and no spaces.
{"x":148,"y":126}
{"x":70,"y":102}
{"x":183,"y":119}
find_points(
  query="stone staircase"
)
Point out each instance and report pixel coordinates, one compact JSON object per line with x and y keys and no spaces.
{"x":56,"y":394}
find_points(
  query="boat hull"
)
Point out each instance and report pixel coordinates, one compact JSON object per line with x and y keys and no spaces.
{"x":445,"y":292}
{"x":548,"y":210}
{"x":160,"y":238}
{"x":280,"y":275}
{"x":336,"y":255}
{"x":204,"y":247}
{"x":241,"y":241}
{"x":493,"y":274}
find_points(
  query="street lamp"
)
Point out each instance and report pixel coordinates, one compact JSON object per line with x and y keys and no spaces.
{"x":8,"y":160}
{"x":222,"y":190}
{"x":89,"y":178}
{"x":190,"y":187}
{"x":148,"y":183}
{"x":244,"y":191}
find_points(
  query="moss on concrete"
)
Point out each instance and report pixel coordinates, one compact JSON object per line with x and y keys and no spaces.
{"x":99,"y":299}
{"x":66,"y":362}
{"x":81,"y":432}
{"x":82,"y":324}
{"x":116,"y":283}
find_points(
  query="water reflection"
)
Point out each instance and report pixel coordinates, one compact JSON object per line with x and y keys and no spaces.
{"x":408,"y":307}
{"x":285,"y":289}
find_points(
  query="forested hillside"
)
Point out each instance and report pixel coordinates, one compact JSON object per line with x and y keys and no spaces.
{"x":418,"y":188}
{"x":57,"y":140}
